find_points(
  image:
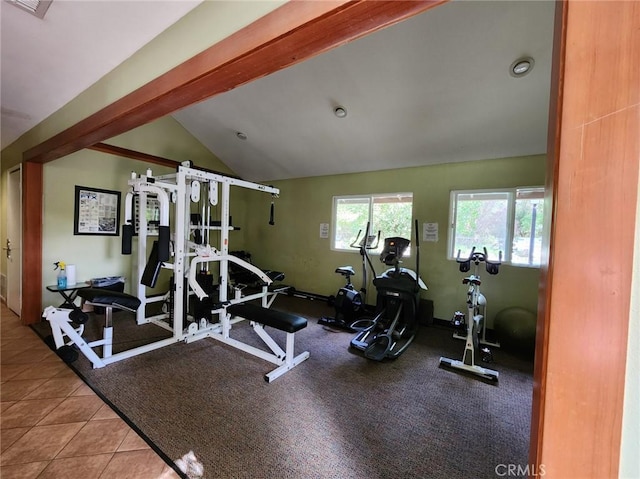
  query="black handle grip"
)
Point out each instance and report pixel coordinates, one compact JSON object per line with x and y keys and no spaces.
{"x":127,"y":237}
{"x":271,"y":215}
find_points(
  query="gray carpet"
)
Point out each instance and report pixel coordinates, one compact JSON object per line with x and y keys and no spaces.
{"x":337,"y":415}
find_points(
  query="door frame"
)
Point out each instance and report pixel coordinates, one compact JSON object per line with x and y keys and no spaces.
{"x":14,"y":234}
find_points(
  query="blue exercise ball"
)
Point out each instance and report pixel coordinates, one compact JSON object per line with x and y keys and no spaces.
{"x":515,"y":329}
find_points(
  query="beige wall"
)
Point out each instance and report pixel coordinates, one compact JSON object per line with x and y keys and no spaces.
{"x":293,"y":245}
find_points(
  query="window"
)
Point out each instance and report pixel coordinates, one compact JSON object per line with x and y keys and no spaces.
{"x":506,"y":221}
{"x":388,"y":213}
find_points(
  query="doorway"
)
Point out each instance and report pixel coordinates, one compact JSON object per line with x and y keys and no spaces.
{"x":13,"y":247}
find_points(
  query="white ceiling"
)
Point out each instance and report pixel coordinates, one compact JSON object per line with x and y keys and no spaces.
{"x":433,"y":89}
{"x":48,"y":62}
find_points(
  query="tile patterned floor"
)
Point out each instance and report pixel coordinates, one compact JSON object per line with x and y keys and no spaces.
{"x":52,"y":425}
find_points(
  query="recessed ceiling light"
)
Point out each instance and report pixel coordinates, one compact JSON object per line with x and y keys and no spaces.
{"x":521,"y":67}
{"x":340,"y":111}
{"x":242,"y":136}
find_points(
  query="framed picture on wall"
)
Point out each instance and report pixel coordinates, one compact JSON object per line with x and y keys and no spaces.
{"x":96,"y":212}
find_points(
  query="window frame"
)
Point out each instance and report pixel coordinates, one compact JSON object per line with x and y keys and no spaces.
{"x":370,"y":197}
{"x":512,"y":196}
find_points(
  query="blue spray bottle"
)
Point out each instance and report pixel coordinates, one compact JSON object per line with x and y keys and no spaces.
{"x":62,"y":274}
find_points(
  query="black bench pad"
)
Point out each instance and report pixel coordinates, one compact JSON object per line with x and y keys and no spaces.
{"x":105,"y":297}
{"x":287,"y":322}
{"x":274,"y":275}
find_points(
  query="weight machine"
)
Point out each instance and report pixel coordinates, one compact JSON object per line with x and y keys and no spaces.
{"x":186,"y":250}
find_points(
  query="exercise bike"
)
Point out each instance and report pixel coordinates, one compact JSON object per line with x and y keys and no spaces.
{"x":396,"y":323}
{"x":350,"y":304}
{"x":475,"y":321}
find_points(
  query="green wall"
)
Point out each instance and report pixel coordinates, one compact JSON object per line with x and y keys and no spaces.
{"x":294,"y":245}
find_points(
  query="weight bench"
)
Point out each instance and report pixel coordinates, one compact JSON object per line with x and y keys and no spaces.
{"x":260,"y":317}
{"x":70,"y":323}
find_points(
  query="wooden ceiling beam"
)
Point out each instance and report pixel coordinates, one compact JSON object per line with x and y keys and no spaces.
{"x":288,"y":35}
{"x":134,"y":155}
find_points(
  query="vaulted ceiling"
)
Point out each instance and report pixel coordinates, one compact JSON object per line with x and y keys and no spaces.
{"x":47,"y":62}
{"x":433,"y":89}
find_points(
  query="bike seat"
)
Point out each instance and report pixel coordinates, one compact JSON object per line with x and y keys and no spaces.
{"x":345,"y":270}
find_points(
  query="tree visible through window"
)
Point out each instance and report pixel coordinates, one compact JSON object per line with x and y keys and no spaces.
{"x":527,"y":227}
{"x":507,"y":222}
{"x":481,"y":221}
{"x":389,"y":213}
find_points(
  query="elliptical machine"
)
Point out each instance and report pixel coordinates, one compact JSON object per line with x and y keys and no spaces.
{"x":396,"y":323}
{"x":349,"y":303}
{"x":476,"y":303}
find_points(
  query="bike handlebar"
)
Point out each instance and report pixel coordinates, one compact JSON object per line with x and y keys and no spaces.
{"x":478,"y":257}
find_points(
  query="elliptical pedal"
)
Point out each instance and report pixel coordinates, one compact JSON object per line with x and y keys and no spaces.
{"x":379,"y":347}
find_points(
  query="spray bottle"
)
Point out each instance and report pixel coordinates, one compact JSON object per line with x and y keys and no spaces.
{"x":62,"y":274}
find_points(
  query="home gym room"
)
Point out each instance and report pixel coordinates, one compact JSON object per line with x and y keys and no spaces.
{"x":345,"y":415}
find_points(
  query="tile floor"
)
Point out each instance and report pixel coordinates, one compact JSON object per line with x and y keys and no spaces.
{"x":53,"y":425}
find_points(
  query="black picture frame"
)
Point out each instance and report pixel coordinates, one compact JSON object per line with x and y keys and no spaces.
{"x":96,"y":212}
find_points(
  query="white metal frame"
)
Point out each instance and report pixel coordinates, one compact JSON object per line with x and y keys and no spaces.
{"x":482,"y":310}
